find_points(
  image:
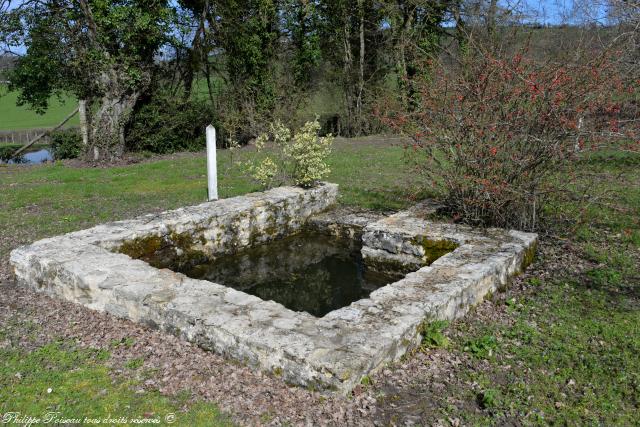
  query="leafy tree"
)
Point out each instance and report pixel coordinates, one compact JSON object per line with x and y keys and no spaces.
{"x":302,"y":26}
{"x":416,"y":28}
{"x":352,"y":40}
{"x":101,"y":51}
{"x":249,"y":34}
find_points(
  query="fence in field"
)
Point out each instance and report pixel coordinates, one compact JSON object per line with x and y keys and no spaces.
{"x":21,"y":137}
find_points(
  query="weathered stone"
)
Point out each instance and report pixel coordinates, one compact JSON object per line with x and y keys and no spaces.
{"x":333,"y":352}
{"x":343,"y":222}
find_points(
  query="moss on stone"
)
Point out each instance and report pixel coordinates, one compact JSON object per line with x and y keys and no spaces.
{"x":162,"y":251}
{"x":184,"y":241}
{"x":255,"y":234}
{"x":434,"y":249}
{"x":234,"y":236}
{"x":272,"y":229}
{"x":142,"y":247}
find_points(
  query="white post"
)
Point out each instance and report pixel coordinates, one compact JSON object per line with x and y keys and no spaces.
{"x":212,"y":173}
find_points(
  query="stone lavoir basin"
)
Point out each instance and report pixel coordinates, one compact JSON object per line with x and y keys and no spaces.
{"x":281,"y":281}
{"x":308,"y":271}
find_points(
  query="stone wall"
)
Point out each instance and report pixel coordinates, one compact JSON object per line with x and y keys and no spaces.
{"x":87,"y":265}
{"x":333,"y":352}
{"x":228,"y":225}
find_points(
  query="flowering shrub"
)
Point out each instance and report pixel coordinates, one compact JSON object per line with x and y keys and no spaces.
{"x":299,"y":159}
{"x":496,"y":136}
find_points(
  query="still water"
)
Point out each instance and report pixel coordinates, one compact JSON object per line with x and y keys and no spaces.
{"x":38,"y":155}
{"x":306,"y":272}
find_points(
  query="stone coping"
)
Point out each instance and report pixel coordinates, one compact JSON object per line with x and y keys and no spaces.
{"x":329,"y":353}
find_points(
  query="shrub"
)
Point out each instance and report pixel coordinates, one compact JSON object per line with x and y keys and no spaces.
{"x":298,"y":159}
{"x":66,"y":144}
{"x":6,"y":152}
{"x":497,"y":137}
{"x":168,"y":124}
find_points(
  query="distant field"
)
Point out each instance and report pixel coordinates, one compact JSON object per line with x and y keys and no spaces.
{"x":13,"y":117}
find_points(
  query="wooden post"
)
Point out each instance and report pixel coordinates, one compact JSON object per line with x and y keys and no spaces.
{"x":212,"y":173}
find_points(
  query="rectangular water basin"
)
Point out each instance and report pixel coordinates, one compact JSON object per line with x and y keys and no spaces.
{"x":308,"y":271}
{"x":337,"y":319}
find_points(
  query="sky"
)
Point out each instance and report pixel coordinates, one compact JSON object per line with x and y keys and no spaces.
{"x":555,"y":12}
{"x":548,"y":11}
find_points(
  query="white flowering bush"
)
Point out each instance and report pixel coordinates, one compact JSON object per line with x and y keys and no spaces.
{"x":298,"y":159}
{"x":264,"y":172}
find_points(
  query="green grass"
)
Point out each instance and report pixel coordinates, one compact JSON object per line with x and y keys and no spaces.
{"x":43,"y":201}
{"x":572,"y":357}
{"x":73,"y":383}
{"x":567,"y":355}
{"x":13,"y":117}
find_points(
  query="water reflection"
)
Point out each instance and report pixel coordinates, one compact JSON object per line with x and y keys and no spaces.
{"x":36,"y":156}
{"x":305,"y":272}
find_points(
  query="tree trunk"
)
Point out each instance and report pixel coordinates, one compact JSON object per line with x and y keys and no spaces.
{"x":108,"y":126}
{"x":361,"y":69}
{"x":460,"y":30}
{"x":84,"y":128}
{"x":402,"y":48}
{"x":347,"y":73}
{"x":193,"y":58}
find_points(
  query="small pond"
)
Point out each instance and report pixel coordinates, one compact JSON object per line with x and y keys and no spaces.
{"x":305,"y":272}
{"x":34,"y":155}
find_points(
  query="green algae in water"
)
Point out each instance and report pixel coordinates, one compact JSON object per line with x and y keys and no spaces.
{"x":306,"y":272}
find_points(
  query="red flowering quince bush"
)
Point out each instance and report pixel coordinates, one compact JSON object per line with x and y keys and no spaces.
{"x":495,"y":136}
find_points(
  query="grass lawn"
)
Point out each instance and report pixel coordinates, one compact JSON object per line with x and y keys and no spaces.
{"x":13,"y":117}
{"x":47,"y":200}
{"x":563,"y":349}
{"x":66,"y":382}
